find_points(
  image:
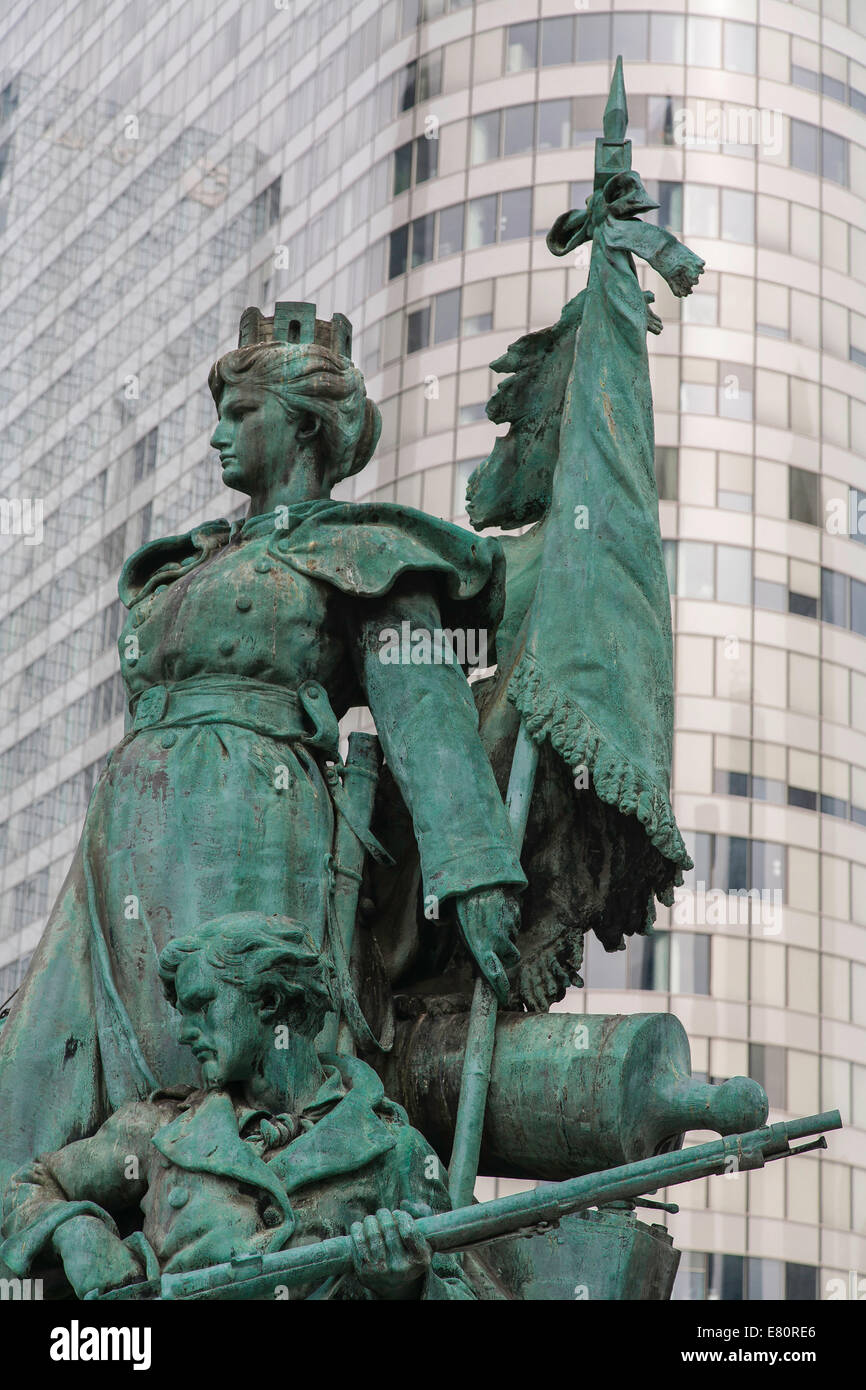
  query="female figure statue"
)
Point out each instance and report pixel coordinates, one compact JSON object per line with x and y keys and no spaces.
{"x":244,"y":645}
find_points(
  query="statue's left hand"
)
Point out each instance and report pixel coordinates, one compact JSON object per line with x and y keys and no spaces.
{"x":390,"y":1255}
{"x":489,"y":919}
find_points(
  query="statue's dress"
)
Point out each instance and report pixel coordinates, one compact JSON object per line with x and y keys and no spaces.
{"x":243,"y":646}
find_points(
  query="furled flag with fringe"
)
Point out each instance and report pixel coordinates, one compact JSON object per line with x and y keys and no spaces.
{"x":585,"y":647}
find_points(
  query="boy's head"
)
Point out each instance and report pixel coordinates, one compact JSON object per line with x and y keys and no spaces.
{"x":234,"y":980}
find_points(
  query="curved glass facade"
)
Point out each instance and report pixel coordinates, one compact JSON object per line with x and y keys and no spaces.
{"x":401,"y":162}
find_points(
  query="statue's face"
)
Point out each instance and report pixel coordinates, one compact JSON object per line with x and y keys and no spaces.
{"x":223,"y":1027}
{"x":255,"y":439}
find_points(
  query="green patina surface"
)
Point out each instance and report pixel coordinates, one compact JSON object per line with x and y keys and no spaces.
{"x":261,"y":954}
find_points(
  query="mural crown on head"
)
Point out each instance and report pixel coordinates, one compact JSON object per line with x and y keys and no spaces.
{"x":295,"y":322}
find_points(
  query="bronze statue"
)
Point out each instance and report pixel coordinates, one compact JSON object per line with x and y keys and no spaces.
{"x":278,"y":1148}
{"x":227,"y":803}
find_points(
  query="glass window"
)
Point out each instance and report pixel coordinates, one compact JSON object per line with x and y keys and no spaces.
{"x":832,"y":87}
{"x":515,"y":217}
{"x":764,"y":1278}
{"x":485,"y":137}
{"x":660,"y":121}
{"x":695,"y":569}
{"x":646,"y":961}
{"x":768,"y":863}
{"x":725,"y":1274}
{"x":804,"y":605}
{"x":739,"y":47}
{"x":430,"y":75}
{"x":690,"y":1284}
{"x":738,"y":215}
{"x":801,"y":1282}
{"x":702,"y":851}
{"x":804,"y":77}
{"x":803,"y":503}
{"x":482,"y":222}
{"x":418,"y":329}
{"x":402,"y":168}
{"x":522,"y":50}
{"x":858,"y":607}
{"x":834,"y":157}
{"x":704,"y":47}
{"x":768,"y":789}
{"x":603,"y":969}
{"x":669,"y":196}
{"x":803,"y":798}
{"x":398,"y":250}
{"x":407,"y":91}
{"x":730,"y":863}
{"x":731,"y":784}
{"x":451,"y":230}
{"x":834,"y":806}
{"x":426,"y":159}
{"x":637,"y":119}
{"x":554,"y":125}
{"x":804,"y":146}
{"x":857,"y":514}
{"x":734,"y":579}
{"x":557,"y":41}
{"x":767,"y":1066}
{"x":669,"y":554}
{"x":593,"y":38}
{"x":447,"y":320}
{"x":666,"y":464}
{"x":690,"y":963}
{"x":422,"y":239}
{"x":700,"y":210}
{"x":631,"y":37}
{"x":587,"y":125}
{"x":519,"y":129}
{"x":834,"y":598}
{"x":667,"y":38}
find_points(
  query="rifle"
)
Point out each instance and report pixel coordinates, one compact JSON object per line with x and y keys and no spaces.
{"x":260,"y":1275}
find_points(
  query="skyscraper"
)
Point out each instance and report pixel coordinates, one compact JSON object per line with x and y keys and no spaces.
{"x":401,"y":162}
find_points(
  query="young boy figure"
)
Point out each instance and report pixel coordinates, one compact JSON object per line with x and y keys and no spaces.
{"x":280,"y":1146}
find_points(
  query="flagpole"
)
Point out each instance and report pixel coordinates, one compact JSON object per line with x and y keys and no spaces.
{"x":478,"y":1057}
{"x":612,"y":155}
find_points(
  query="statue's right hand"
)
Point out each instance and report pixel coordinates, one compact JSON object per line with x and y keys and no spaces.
{"x":94,"y":1258}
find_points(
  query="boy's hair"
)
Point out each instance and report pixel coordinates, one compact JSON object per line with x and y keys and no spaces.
{"x":262,"y":956}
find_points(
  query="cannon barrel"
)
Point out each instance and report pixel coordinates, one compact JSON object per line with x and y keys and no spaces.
{"x":569,"y":1093}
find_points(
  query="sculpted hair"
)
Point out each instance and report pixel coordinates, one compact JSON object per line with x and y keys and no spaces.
{"x":264,"y":957}
{"x":309,"y":378}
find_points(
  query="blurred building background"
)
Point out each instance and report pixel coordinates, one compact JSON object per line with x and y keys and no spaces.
{"x":161,"y":167}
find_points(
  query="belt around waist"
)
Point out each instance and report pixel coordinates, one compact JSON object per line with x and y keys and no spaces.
{"x":304,"y":714}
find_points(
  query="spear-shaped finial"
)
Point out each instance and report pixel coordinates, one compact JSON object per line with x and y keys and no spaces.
{"x":615,"y":120}
{"x":613,"y":151}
